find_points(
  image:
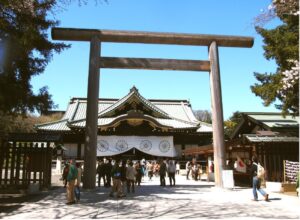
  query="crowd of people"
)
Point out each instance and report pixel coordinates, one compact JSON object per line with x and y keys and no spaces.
{"x":195,"y":170}
{"x":120,"y":175}
{"x":123,"y":175}
{"x":126,"y":174}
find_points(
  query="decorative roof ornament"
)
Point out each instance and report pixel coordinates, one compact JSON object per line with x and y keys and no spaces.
{"x":134,"y":89}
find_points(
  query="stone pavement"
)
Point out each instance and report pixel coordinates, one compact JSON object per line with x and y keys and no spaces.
{"x":189,"y":199}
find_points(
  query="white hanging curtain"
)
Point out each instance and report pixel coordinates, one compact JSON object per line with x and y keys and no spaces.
{"x":162,"y":146}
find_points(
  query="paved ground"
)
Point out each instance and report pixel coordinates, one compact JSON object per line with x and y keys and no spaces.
{"x":189,"y":199}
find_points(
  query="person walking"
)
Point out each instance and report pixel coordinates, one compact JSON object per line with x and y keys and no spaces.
{"x":116,"y":177}
{"x":171,"y":172}
{"x":139,"y":173}
{"x":108,"y":169}
{"x":196,"y":171}
{"x":78,"y":182}
{"x":188,"y":167}
{"x":150,"y":169}
{"x":162,"y":173}
{"x":123,"y":176}
{"x":65,"y":174}
{"x":177,"y":168}
{"x":256,"y":181}
{"x":72,"y":176}
{"x":130,"y":176}
{"x":101,"y":173}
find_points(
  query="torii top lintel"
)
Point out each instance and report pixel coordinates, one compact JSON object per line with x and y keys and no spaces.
{"x":75,"y":34}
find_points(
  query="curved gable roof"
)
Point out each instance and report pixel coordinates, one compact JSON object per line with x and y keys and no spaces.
{"x":133,"y":95}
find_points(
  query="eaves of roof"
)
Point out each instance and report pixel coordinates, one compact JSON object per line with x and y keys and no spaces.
{"x":167,"y":123}
{"x":256,"y":138}
{"x":60,"y":125}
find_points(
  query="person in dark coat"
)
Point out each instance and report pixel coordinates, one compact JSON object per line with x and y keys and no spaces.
{"x":123,"y":176}
{"x":162,"y":173}
{"x":139,"y":173}
{"x":101,"y":173}
{"x":108,"y":169}
{"x":65,"y":174}
{"x":116,"y":176}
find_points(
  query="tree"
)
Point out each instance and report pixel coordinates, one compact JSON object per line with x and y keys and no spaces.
{"x":203,"y":115}
{"x":27,"y":51}
{"x":23,"y":123}
{"x":281,"y":44}
{"x":231,"y":123}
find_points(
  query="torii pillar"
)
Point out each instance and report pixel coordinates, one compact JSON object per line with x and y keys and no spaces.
{"x":95,"y":37}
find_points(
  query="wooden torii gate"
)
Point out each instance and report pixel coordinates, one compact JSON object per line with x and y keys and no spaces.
{"x":95,"y":37}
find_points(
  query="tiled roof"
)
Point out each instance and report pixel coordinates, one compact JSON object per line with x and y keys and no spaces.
{"x":176,"y":114}
{"x":204,"y":127}
{"x":54,"y":126}
{"x":180,"y":110}
{"x":275,"y":120}
{"x":255,"y":122}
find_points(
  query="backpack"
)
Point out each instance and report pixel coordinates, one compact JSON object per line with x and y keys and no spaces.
{"x":260,"y":171}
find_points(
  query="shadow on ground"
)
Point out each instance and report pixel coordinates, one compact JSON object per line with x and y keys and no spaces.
{"x":149,"y":201}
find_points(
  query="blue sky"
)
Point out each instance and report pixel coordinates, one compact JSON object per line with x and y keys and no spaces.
{"x":66,"y":75}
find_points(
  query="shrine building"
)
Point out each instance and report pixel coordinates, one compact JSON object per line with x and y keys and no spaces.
{"x":133,"y":127}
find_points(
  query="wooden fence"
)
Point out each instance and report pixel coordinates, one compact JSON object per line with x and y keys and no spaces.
{"x":24,"y":163}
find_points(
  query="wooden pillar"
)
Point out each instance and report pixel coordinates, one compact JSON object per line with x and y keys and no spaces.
{"x":217,"y":114}
{"x":91,"y":127}
{"x":78,"y":150}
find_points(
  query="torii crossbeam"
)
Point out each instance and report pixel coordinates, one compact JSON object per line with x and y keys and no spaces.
{"x":95,"y":37}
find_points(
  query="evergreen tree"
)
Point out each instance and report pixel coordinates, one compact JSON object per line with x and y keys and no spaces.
{"x":281,"y":44}
{"x":25,"y":51}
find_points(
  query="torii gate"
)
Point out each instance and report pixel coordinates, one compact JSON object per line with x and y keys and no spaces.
{"x":95,"y":37}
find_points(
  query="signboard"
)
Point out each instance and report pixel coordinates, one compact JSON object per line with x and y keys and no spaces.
{"x":291,"y":169}
{"x":227,"y":176}
{"x":162,"y":146}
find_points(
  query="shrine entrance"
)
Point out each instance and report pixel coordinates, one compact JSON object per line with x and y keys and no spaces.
{"x":95,"y":37}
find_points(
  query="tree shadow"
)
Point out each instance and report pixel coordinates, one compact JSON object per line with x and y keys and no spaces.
{"x":149,"y":201}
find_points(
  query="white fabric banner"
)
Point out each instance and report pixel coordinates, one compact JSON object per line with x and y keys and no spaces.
{"x":162,"y":146}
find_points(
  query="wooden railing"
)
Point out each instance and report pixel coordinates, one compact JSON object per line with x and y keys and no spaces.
{"x":25,"y":163}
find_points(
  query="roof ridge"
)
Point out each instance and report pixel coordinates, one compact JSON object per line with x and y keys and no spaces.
{"x":153,"y":106}
{"x":84,"y":99}
{"x":263,"y":113}
{"x":133,"y":92}
{"x":189,"y":122}
{"x":183,"y":106}
{"x":75,"y":110}
{"x":115,"y":104}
